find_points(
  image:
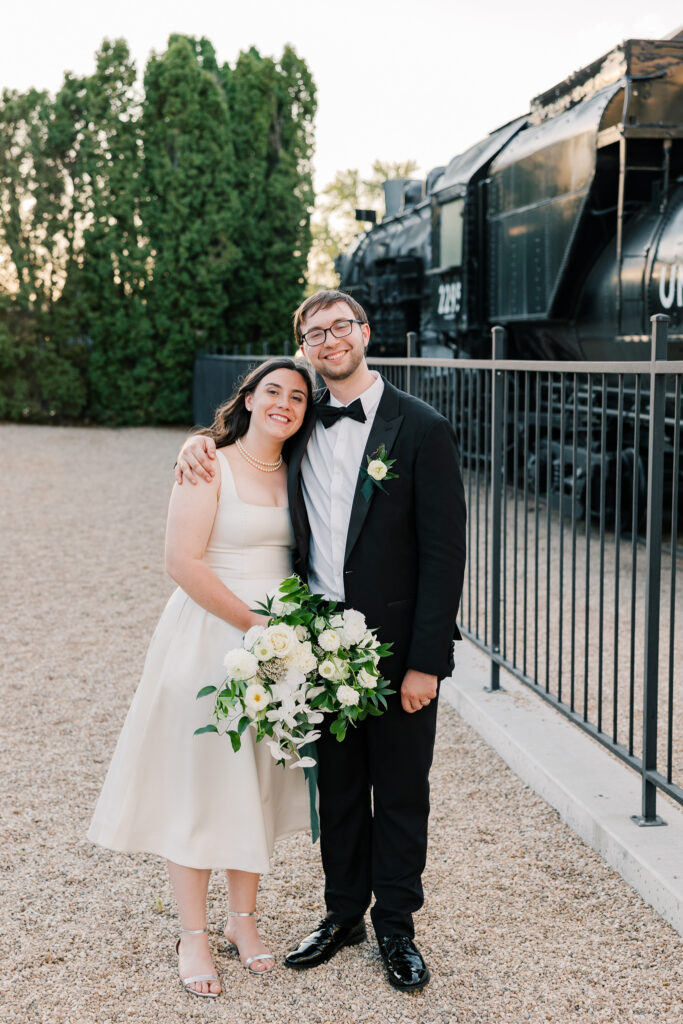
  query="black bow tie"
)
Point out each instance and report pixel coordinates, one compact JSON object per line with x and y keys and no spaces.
{"x":329,"y":414}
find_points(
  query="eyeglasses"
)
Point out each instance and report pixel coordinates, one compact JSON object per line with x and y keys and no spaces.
{"x":339,"y":329}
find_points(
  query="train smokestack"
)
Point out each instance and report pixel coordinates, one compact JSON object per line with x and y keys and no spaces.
{"x":393,"y":196}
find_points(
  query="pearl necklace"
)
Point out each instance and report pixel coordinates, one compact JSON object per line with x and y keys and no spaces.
{"x":264,"y":467}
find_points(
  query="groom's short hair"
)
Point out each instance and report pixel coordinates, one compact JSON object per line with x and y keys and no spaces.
{"x":323,"y":300}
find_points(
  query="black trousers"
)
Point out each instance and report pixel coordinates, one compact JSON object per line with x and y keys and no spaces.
{"x":374,"y":808}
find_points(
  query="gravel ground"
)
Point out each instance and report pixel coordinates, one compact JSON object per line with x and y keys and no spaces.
{"x":522,"y":922}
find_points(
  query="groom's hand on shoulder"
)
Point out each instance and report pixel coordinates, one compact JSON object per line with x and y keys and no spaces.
{"x":195,"y":460}
{"x":417,"y":690}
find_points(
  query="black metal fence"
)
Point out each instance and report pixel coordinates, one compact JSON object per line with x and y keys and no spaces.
{"x":215,"y":376}
{"x":572,"y":474}
{"x":573,"y":480}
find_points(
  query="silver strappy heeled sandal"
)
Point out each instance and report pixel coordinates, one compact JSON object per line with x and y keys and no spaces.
{"x":186,"y":982}
{"x":250,"y":959}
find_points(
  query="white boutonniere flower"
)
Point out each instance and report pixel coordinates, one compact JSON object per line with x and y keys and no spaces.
{"x":377,"y":470}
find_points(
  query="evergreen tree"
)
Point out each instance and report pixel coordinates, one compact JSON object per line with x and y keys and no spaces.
{"x":106,"y":294}
{"x":189,"y":214}
{"x":42,"y":376}
{"x":136,"y":231}
{"x":272,"y":106}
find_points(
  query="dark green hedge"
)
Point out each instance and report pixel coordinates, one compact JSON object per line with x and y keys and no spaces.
{"x":140,"y":224}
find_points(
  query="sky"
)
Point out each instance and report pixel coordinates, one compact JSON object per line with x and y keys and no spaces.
{"x":395,"y":80}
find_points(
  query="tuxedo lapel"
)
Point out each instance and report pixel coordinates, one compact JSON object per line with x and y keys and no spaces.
{"x":384,"y":430}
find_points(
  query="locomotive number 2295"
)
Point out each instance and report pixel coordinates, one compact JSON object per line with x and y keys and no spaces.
{"x":450,"y":297}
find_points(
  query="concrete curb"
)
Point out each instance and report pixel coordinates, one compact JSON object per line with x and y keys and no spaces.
{"x":591,"y":790}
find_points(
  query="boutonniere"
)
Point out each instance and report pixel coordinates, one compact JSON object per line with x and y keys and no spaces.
{"x":377,"y":470}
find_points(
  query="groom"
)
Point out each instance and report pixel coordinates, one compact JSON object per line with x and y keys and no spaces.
{"x":398,"y":557}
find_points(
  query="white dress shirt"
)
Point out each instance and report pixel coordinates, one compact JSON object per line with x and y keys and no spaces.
{"x":329,"y":473}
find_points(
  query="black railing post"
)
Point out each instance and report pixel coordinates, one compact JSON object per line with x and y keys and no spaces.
{"x":411,"y":349}
{"x":653,"y":560}
{"x":497,"y":425}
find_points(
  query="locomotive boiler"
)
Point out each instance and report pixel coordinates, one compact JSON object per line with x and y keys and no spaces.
{"x":565,"y":225}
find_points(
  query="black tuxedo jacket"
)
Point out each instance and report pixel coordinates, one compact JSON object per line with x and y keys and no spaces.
{"x":405,"y":549}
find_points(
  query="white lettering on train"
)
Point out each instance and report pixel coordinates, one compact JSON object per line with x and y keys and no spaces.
{"x":450,"y":296}
{"x":671,"y":284}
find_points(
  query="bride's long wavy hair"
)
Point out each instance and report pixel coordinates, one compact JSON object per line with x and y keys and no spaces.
{"x":231,"y":419}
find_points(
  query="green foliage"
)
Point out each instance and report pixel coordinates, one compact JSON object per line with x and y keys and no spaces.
{"x":41,"y":377}
{"x":190,"y":217}
{"x":106,"y":293}
{"x":137,"y":228}
{"x":334,"y":224}
{"x":272,"y":106}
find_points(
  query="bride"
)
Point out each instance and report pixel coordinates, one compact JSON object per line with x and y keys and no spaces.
{"x":192,"y":799}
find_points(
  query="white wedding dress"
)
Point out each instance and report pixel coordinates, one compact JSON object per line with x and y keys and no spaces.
{"x":190,"y":798}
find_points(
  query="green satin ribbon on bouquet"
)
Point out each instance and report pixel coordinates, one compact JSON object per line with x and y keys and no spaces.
{"x":310,"y":750}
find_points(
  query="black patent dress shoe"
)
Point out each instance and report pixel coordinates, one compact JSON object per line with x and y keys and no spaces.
{"x":324,"y":942}
{"x":405,"y":967}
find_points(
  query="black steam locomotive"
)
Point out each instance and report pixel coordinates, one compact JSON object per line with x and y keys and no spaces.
{"x":565,"y":225}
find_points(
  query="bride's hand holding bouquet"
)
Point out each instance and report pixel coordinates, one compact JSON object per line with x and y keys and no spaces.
{"x":309,"y":661}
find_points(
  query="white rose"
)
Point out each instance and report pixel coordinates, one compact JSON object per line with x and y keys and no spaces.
{"x":256,"y":698}
{"x":282,"y":639}
{"x":329,"y":640}
{"x":337,"y":621}
{"x":377,"y":469}
{"x":327,"y":669}
{"x":318,"y":624}
{"x":301,"y":632}
{"x":304,"y":659}
{"x":354,"y":626}
{"x":240,"y":664}
{"x":347,"y":696}
{"x":263,"y":649}
{"x":366,"y":679}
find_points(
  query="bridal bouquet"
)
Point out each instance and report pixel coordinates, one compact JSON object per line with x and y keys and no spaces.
{"x":310,"y":660}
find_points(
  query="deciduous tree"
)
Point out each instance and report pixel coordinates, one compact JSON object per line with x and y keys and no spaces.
{"x":334,"y":224}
